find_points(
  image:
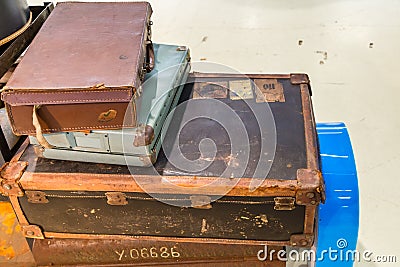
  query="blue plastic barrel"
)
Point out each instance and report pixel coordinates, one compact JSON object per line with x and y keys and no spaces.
{"x":338,"y":218}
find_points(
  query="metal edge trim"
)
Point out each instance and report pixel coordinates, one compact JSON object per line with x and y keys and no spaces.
{"x":311,"y":150}
{"x":227,"y":75}
{"x":20,"y":151}
{"x":125,"y":183}
{"x":309,"y":126}
{"x":171,"y":239}
{"x":23,"y":221}
{"x":310,"y":213}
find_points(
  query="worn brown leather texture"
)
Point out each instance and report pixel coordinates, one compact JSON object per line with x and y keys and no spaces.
{"x":54,"y":118}
{"x":84,"y":53}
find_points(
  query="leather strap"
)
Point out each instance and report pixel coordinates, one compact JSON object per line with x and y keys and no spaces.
{"x":39,"y":134}
{"x":17,"y":33}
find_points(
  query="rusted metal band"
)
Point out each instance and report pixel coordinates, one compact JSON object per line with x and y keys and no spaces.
{"x":125,"y":183}
{"x":309,"y":219}
{"x":31,"y":231}
{"x":18,"y":211}
{"x":20,"y":151}
{"x":312,"y":162}
{"x":309,"y":126}
{"x":162,"y":238}
{"x":227,"y":75}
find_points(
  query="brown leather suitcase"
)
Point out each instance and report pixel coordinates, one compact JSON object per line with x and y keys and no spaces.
{"x":82,"y":69}
{"x":228,"y":200}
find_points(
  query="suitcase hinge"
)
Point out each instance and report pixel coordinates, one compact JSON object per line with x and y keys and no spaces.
{"x":10,"y":173}
{"x":201,"y":202}
{"x":311,"y":190}
{"x":303,"y":240}
{"x":284,"y":203}
{"x":32,"y":231}
{"x":36,"y":197}
{"x":116,"y":198}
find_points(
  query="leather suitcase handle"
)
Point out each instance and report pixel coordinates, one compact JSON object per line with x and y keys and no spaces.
{"x":18,"y":32}
{"x":39,"y":134}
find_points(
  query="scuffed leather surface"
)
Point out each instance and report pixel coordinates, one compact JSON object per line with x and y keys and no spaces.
{"x":82,"y":45}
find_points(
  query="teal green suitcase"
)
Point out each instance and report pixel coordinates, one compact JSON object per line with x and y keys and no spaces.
{"x":131,"y":146}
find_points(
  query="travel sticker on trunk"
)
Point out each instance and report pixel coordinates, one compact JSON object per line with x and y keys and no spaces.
{"x":210,"y":90}
{"x":240,"y":89}
{"x":269,"y":90}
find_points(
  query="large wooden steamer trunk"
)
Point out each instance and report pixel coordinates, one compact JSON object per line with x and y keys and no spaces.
{"x":65,"y":199}
{"x":82,"y":69}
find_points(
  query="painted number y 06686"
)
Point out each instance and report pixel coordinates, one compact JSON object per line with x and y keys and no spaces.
{"x":144,"y":253}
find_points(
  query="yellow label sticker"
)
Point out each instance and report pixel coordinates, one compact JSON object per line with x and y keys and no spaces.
{"x":240,"y":89}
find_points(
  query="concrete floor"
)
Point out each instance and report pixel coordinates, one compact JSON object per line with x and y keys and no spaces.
{"x":348,"y":49}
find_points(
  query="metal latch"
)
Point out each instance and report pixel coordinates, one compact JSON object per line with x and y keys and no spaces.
{"x":36,"y":197}
{"x":284,"y":203}
{"x":149,"y":33}
{"x":201,"y":202}
{"x":116,"y":198}
{"x":10,"y":173}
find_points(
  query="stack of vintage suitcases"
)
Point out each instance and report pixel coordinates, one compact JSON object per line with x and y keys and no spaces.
{"x":92,"y":184}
